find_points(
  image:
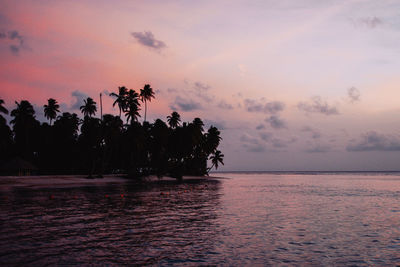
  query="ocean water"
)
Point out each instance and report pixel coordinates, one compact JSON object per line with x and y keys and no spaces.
{"x":242,"y":219}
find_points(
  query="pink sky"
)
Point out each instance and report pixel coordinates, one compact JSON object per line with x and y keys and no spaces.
{"x":275,"y":76}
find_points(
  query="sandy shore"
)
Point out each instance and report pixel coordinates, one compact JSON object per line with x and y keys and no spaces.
{"x":77,"y":180}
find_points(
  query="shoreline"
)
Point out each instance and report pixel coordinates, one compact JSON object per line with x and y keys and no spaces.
{"x":36,"y":181}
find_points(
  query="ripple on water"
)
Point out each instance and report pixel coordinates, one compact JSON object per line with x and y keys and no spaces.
{"x":259,"y":219}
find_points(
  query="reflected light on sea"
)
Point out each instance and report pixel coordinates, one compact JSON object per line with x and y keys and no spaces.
{"x":243,"y":219}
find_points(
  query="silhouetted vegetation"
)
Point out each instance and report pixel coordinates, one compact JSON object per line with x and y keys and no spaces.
{"x":97,"y":146}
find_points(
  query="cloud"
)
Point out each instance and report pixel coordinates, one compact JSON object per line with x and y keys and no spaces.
{"x":198,"y":93}
{"x":79,"y":97}
{"x":317,"y":105}
{"x":224,"y":105}
{"x":260,"y":127}
{"x":185,"y":104}
{"x":147,"y":39}
{"x":252,"y":144}
{"x":200,"y":90}
{"x":221,"y":125}
{"x":368,"y":22}
{"x":201,"y":86}
{"x":106,"y":92}
{"x":172,"y":90}
{"x":318,"y":148}
{"x":266,"y":136}
{"x":276,"y":142}
{"x":315,"y":134}
{"x":276,"y":122}
{"x":279,"y":143}
{"x":273,"y":107}
{"x":13,"y":36}
{"x":373,"y":141}
{"x":14,"y":49}
{"x":353,"y":94}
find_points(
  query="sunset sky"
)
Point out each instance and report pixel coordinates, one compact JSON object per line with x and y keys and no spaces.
{"x":292,"y":85}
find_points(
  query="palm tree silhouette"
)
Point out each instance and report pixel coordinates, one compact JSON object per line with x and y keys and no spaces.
{"x":120,"y":98}
{"x":212,"y":139}
{"x":132,"y":106}
{"x":89,"y":108}
{"x":132,"y":113}
{"x":198,"y":123}
{"x":25,"y":128}
{"x":132,"y":98}
{"x":51,"y":109}
{"x":174,"y":119}
{"x":107,"y":145}
{"x":146,"y":94}
{"x":216,"y":158}
{"x":6,"y":137}
{"x":2,"y":108}
{"x":23,"y":110}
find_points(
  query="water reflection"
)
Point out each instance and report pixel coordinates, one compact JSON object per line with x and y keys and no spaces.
{"x":261,"y":219}
{"x":164,"y":224}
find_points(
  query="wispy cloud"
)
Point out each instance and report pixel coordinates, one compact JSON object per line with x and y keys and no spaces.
{"x":185,"y":104}
{"x":224,"y":105}
{"x":276,"y":142}
{"x":147,"y":39}
{"x":260,"y":127}
{"x":252,"y":144}
{"x":315,"y":134}
{"x":16,"y":37}
{"x":253,"y":105}
{"x":220,"y":124}
{"x":374,"y":141}
{"x":353,"y":94}
{"x":78,"y":101}
{"x":201,"y":86}
{"x":318,"y":148}
{"x":276,"y":122}
{"x":317,"y":105}
{"x":368,"y":22}
{"x":200,"y":90}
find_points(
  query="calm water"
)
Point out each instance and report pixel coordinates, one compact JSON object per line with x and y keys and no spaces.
{"x":248,"y":219}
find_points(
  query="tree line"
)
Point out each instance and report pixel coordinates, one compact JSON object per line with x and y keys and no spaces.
{"x":94,"y":146}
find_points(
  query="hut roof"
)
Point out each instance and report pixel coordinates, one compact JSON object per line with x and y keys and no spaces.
{"x":17,"y":164}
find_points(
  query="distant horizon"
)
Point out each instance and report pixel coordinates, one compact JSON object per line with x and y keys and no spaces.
{"x":309,"y":171}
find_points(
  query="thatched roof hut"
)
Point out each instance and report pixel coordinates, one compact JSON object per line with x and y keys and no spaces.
{"x":17,"y":166}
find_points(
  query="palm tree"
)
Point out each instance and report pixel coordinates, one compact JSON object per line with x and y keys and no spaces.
{"x":51,"y":109}
{"x":146,"y":94}
{"x":89,"y":108}
{"x":120,"y":98}
{"x":198,"y":123}
{"x":212,"y":139}
{"x":24,"y":110}
{"x":132,"y":106}
{"x":25,"y":128}
{"x":132,"y":98}
{"x":216,"y":158}
{"x":174,"y":119}
{"x":2,"y":108}
{"x":132,"y":113}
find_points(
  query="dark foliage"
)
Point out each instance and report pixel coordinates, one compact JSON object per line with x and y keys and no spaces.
{"x":96,"y":146}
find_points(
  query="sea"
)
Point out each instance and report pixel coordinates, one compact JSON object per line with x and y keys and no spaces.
{"x":236,"y":219}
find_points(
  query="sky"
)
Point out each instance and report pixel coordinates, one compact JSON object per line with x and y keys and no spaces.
{"x":292,"y":85}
